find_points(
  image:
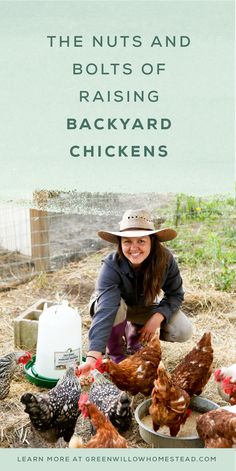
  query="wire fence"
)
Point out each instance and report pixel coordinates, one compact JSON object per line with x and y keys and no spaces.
{"x":37,"y":240}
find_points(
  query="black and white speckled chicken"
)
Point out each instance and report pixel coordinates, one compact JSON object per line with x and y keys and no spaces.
{"x":54,"y":414}
{"x":113,"y":402}
{"x":9,"y":364}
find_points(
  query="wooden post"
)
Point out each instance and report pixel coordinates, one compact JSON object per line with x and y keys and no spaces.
{"x":40,"y":252}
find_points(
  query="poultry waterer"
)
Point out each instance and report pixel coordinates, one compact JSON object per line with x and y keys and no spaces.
{"x":59,"y":344}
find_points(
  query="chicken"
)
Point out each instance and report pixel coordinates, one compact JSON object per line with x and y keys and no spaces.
{"x":217,"y":428}
{"x":194,"y":371}
{"x":54,"y":414}
{"x":8,"y":366}
{"x":170,"y":403}
{"x":137,"y":372}
{"x":225,"y":378}
{"x":113,"y":402}
{"x":106,"y":434}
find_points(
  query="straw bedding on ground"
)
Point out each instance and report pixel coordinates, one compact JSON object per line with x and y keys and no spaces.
{"x":208,"y":309}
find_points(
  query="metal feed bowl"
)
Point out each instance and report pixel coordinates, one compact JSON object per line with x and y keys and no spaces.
{"x":159,"y":440}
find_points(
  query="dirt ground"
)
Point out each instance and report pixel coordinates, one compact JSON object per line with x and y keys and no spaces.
{"x":208,"y":310}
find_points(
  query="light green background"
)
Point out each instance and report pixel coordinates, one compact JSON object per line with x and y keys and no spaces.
{"x":38,"y":92}
{"x":183,"y":460}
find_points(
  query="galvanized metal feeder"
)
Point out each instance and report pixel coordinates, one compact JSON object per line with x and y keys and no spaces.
{"x":159,"y":440}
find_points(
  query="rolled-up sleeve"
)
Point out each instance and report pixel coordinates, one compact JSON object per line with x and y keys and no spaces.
{"x":108,"y":296}
{"x":173,"y":290}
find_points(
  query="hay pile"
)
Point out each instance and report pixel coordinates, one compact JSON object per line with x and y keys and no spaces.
{"x":209,"y":310}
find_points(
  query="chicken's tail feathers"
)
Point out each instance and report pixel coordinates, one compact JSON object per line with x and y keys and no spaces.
{"x":155,"y":340}
{"x":205,"y":339}
{"x":28,"y":398}
{"x":76,"y":442}
{"x":37,"y":406}
{"x":124,"y":398}
{"x":162,"y":371}
{"x":123,"y":405}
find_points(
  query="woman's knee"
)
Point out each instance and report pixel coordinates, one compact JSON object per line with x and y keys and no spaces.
{"x":180,"y":329}
{"x":184,"y":333}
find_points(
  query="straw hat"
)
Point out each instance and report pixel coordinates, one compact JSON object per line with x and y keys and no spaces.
{"x":137,"y":223}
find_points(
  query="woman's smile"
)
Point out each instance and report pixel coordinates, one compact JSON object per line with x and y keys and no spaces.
{"x":136,"y":249}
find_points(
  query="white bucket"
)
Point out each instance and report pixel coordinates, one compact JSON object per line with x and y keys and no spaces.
{"x":59,"y":342}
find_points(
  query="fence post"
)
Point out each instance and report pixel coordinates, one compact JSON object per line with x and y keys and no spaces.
{"x":39,"y":240}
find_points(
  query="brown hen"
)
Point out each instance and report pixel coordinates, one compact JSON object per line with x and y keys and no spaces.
{"x":106,"y":435}
{"x":217,"y":429}
{"x":136,"y":373}
{"x":170,"y":403}
{"x":194,"y":371}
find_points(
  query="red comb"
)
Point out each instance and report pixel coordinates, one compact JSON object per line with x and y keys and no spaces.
{"x":83,"y":399}
{"x":82,"y":404}
{"x":188,"y":412}
{"x":25,"y":357}
{"x":226,"y":380}
{"x":218,"y":375}
{"x":229,"y":387}
{"x":99,"y":365}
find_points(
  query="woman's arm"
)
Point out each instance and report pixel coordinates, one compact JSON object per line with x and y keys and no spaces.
{"x":106,"y":307}
{"x":149,"y":329}
{"x":86,"y":367}
{"x":169,"y":304}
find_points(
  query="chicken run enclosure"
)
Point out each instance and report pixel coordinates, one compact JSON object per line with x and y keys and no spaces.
{"x":52,"y":251}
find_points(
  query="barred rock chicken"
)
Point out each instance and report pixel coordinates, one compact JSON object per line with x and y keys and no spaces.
{"x":113,"y":402}
{"x":217,"y":428}
{"x":225,"y":378}
{"x":170,"y":403}
{"x":8,"y":366}
{"x":137,"y":372}
{"x":106,"y":434}
{"x":54,"y":414}
{"x":194,"y":371}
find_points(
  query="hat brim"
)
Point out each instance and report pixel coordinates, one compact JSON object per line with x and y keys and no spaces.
{"x":163,"y":235}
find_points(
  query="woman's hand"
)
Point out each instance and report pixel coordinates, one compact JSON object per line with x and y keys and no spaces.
{"x":85,"y":368}
{"x":149,"y":329}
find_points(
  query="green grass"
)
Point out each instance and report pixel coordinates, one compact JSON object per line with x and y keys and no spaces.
{"x":206,"y":239}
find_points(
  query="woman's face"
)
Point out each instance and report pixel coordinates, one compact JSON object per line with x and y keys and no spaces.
{"x":136,"y":249}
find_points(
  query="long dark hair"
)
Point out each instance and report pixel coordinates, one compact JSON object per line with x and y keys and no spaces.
{"x":154,"y":267}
